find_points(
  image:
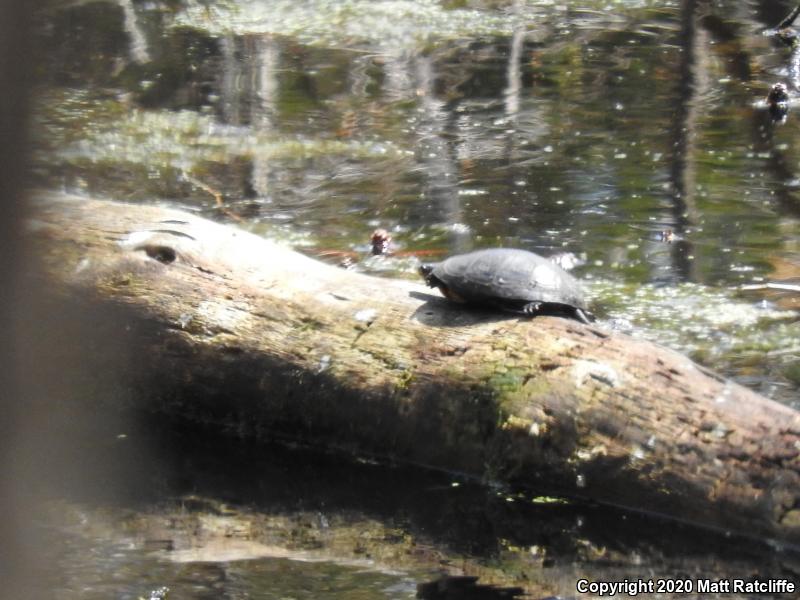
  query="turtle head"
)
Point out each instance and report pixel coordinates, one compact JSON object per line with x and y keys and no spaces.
{"x":380,"y":242}
{"x":778,"y":103}
{"x":778,"y":93}
{"x":426,"y":271}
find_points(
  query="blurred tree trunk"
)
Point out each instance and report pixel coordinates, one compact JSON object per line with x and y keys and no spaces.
{"x":15,"y":68}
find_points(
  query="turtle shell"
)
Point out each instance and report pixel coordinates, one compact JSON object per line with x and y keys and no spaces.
{"x":505,"y":275}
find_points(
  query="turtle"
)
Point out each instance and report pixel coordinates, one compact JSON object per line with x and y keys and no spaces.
{"x":510,"y":279}
{"x":778,"y":102}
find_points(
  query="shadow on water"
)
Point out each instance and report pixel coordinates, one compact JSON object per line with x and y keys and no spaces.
{"x":465,"y":588}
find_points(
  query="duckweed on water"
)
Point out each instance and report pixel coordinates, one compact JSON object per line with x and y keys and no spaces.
{"x":707,"y":324}
{"x":184,"y":138}
{"x":389,"y":23}
{"x":326,"y":22}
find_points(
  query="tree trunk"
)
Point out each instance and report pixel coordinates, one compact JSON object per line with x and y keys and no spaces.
{"x":239,"y":332}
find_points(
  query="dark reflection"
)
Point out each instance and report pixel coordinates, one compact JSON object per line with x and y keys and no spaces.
{"x":182,"y":74}
{"x":781,"y":167}
{"x":682,"y":172}
{"x":464,"y":588}
{"x":85,"y":44}
{"x":202,"y":473}
{"x":728,"y":34}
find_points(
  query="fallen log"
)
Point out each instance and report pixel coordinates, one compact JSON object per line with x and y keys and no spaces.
{"x":250,"y":336}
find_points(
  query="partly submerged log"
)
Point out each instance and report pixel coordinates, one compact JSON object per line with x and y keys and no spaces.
{"x":244,"y":334}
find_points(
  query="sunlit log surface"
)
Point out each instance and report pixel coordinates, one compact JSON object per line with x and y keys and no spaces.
{"x":229,"y":329}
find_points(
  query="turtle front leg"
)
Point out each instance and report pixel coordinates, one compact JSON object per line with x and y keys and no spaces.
{"x":581,"y":315}
{"x":531,"y":309}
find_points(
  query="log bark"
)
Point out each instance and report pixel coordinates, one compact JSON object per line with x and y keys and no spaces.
{"x":244,"y":334}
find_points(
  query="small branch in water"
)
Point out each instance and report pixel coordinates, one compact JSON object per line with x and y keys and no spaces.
{"x":788,"y":21}
{"x":216,"y":193}
{"x":786,"y":287}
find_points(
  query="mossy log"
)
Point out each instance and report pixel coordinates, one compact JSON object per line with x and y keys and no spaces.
{"x":241,"y":333}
